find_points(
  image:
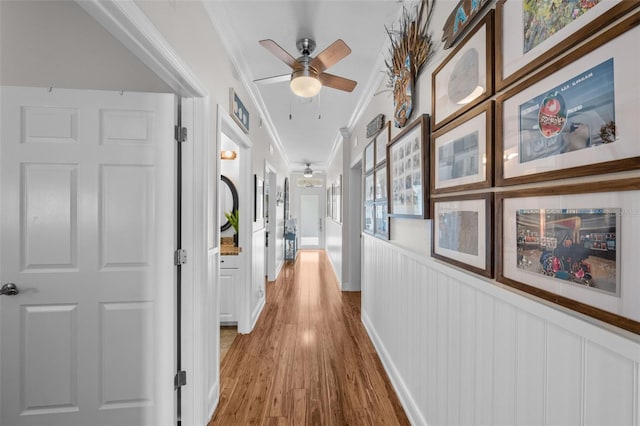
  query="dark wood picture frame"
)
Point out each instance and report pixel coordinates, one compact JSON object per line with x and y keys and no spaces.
{"x":483,"y":238}
{"x":380,"y":183}
{"x":381,"y":220}
{"x":632,"y":184}
{"x":464,"y":50}
{"x":368,"y":219}
{"x":419,"y":130}
{"x":573,"y":38}
{"x":381,"y":141}
{"x":484,"y":160}
{"x":369,"y":156}
{"x":576,"y":164}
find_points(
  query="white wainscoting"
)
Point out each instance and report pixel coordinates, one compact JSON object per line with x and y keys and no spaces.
{"x":461,"y":350}
{"x":334,"y":247}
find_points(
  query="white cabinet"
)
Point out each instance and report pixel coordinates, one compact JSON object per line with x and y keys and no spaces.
{"x":229,"y":288}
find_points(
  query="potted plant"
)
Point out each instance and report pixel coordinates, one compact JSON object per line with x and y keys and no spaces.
{"x":234,"y":220}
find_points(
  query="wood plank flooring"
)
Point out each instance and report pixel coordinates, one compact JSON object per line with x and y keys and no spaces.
{"x":309,"y":360}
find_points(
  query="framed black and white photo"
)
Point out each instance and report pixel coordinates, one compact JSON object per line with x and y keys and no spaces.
{"x":408,"y":171}
{"x":579,"y":118}
{"x":368,"y":219}
{"x":380,"y":177}
{"x":462,"y":231}
{"x":369,"y":186}
{"x":381,"y":222}
{"x":462,"y":152}
{"x":530,"y":33}
{"x":369,"y":154}
{"x":575,"y":246}
{"x":381,"y":142}
{"x":465,"y":77}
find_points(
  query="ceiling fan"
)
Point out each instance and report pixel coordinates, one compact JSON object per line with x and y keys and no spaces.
{"x":308,"y":74}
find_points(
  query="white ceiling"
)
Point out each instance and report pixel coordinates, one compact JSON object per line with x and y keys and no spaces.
{"x":313,"y":130}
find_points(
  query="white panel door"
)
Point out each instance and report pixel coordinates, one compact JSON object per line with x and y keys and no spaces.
{"x":87,"y":213}
{"x":310,"y":224}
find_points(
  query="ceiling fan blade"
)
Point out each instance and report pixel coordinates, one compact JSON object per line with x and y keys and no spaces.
{"x":280,"y":53}
{"x":337,"y":82}
{"x":274,"y":79}
{"x":331,"y":55}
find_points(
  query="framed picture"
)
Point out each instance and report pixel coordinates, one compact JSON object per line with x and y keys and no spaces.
{"x":462,"y":231}
{"x":334,"y":207}
{"x":575,"y":246}
{"x":408,"y":170}
{"x":258,"y":203}
{"x":368,"y":187}
{"x":465,"y":77}
{"x":578,"y":118}
{"x":368,"y":219}
{"x":238,"y":111}
{"x":381,"y":183}
{"x":381,"y":220}
{"x":528,"y":35}
{"x":381,"y":141}
{"x":329,"y":202}
{"x":462,"y":152}
{"x":369,"y":152}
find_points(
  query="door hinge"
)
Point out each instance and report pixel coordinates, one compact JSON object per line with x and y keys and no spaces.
{"x":180,"y":379}
{"x":181,"y":134}
{"x":180,"y":257}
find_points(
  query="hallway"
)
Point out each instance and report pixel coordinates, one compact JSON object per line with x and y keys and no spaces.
{"x":309,"y":359}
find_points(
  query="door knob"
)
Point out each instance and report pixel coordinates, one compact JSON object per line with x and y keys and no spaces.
{"x":9,"y":289}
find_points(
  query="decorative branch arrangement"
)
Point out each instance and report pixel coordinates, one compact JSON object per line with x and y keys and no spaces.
{"x":411,"y":48}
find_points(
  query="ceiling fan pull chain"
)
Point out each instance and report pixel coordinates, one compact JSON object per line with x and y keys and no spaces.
{"x":319,"y":109}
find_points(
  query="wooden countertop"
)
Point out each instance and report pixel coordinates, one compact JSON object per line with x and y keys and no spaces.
{"x":227,"y":248}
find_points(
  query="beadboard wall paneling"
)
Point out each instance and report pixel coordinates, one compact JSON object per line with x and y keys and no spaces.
{"x":464,"y":350}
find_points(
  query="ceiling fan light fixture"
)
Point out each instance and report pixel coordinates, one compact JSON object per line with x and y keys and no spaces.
{"x":305,"y":83}
{"x":308,"y":172}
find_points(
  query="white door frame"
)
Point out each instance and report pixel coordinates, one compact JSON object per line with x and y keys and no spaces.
{"x":321,"y":192}
{"x":127,"y":23}
{"x":271,"y":174}
{"x":226,"y":125}
{"x":354,"y":209}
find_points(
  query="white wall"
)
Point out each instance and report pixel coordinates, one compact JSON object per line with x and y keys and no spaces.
{"x":56,"y":44}
{"x":462,"y":350}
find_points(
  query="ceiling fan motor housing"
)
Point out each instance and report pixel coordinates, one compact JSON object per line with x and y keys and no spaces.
{"x":305,"y":46}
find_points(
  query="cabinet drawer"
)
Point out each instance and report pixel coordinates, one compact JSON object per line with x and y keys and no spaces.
{"x":227,"y":262}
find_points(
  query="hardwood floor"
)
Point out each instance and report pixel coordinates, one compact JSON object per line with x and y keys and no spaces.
{"x":309,"y":360}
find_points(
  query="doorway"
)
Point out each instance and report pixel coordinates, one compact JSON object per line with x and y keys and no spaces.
{"x":310,"y":226}
{"x":271,"y":200}
{"x":235,"y":270}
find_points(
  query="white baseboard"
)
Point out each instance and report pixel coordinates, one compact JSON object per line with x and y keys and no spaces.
{"x":279,"y":269}
{"x":256,"y":313}
{"x":409,"y":405}
{"x":214,"y":399}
